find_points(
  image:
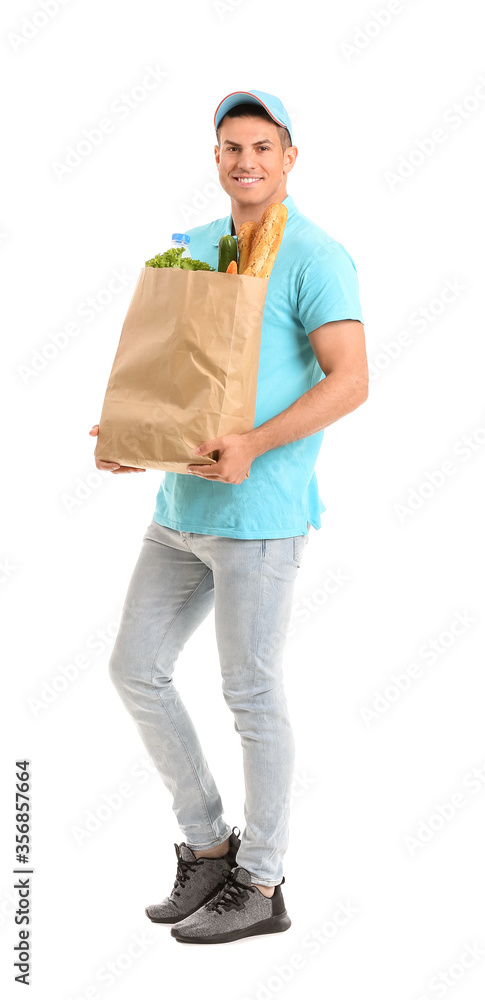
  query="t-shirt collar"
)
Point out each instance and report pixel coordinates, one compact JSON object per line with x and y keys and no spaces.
{"x":227,"y":227}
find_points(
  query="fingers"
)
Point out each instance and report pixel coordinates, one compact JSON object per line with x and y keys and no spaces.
{"x":126,"y":468}
{"x":107,"y":466}
{"x":115,"y":467}
{"x":111,"y":466}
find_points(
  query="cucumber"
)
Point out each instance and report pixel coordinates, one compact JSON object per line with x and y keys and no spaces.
{"x":227,"y":252}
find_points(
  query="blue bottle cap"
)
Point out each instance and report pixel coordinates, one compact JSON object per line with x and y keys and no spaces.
{"x":181,"y":236}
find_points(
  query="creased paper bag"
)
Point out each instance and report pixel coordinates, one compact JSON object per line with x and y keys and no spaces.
{"x":186,"y":368}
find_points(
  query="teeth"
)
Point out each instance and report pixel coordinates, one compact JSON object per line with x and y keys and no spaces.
{"x":247,"y":180}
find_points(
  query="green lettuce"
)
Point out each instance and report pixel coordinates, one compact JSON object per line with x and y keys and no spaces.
{"x":173,"y":258}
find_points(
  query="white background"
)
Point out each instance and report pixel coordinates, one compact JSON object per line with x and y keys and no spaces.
{"x":363,"y":785}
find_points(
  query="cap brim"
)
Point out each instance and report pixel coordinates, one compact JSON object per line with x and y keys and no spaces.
{"x":240,"y":97}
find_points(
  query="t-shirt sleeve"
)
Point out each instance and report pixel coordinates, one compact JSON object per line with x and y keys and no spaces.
{"x":329,"y":288}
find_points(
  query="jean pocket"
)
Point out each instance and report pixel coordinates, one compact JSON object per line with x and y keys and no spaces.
{"x":299,"y":543}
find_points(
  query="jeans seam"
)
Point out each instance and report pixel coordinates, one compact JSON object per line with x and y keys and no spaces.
{"x":184,"y":605}
{"x":258,"y":630}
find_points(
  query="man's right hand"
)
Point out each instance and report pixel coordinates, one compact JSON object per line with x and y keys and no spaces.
{"x":111,"y":466}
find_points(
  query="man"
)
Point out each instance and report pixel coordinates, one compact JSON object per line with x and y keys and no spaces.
{"x":219,"y":539}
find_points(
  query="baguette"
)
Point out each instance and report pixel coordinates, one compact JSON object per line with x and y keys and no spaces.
{"x":244,"y":240}
{"x":267,"y":241}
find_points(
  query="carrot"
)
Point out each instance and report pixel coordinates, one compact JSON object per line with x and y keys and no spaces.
{"x":232,"y":267}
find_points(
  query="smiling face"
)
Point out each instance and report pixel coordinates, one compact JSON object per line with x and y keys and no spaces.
{"x":252,"y":165}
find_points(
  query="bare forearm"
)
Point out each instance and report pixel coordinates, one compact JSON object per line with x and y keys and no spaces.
{"x":323,"y":404}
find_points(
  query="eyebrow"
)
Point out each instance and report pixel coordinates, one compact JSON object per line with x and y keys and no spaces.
{"x":260,"y":143}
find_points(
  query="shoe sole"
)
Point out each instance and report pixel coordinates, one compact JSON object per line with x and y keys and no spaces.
{"x":273,"y":925}
{"x":178,"y":919}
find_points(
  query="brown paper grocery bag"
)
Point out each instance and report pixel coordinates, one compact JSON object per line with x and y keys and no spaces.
{"x":186,"y":368}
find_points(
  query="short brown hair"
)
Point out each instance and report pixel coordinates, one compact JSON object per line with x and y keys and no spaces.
{"x":252,"y":111}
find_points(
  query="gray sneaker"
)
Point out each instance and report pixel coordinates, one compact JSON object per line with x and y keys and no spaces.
{"x":238,"y":910}
{"x":196,"y":881}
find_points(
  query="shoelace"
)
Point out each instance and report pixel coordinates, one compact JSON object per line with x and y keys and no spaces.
{"x":184,"y":869}
{"x":232,"y":894}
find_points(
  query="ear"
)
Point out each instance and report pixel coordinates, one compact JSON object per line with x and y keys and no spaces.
{"x":289,"y":159}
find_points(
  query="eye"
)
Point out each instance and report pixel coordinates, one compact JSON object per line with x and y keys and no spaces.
{"x":230,"y":149}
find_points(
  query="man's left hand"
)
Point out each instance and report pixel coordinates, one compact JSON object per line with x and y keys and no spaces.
{"x":235,"y":457}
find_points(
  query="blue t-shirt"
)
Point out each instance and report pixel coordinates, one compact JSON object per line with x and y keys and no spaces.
{"x":313,"y":281}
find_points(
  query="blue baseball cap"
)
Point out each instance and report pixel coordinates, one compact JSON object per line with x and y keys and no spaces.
{"x":269,"y":102}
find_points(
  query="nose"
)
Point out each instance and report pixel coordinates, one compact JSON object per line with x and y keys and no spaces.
{"x":246,"y":161}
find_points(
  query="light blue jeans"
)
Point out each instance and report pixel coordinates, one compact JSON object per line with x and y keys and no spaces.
{"x":178,"y":578}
